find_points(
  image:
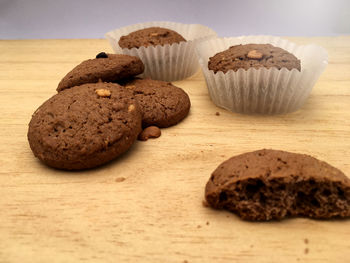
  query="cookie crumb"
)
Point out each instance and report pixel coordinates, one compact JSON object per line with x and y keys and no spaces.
{"x":149,"y":132}
{"x":207,"y":223}
{"x":306,"y":251}
{"x":306,"y":241}
{"x":205,"y":203}
{"x":103,"y":92}
{"x":199,"y":226}
{"x":120,"y":179}
{"x":217,"y":113}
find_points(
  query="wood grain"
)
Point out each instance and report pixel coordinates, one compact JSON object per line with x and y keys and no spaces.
{"x":156,"y":213}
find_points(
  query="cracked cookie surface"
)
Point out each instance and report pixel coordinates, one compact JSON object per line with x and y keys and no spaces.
{"x":150,"y":36}
{"x":107,"y":68}
{"x":270,"y":184}
{"x":253,"y":56}
{"x":85,"y":127}
{"x":162,"y":104}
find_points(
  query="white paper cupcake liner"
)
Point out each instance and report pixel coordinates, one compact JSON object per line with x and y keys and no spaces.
{"x":169,"y":62}
{"x":264,"y":91}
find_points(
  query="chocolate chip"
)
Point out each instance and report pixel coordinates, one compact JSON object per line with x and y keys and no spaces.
{"x":102,"y":55}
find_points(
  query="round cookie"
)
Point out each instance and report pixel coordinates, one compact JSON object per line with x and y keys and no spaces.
{"x":151,"y":36}
{"x":272,"y":184}
{"x":85,"y":126}
{"x":253,"y":55}
{"x":162,"y":104}
{"x":105,"y":67}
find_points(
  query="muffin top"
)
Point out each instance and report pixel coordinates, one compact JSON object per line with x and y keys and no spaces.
{"x":253,"y":55}
{"x":151,"y":36}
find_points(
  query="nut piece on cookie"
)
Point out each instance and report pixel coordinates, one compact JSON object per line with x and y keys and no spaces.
{"x":131,"y":108}
{"x":254,"y":54}
{"x":271,"y":185}
{"x":130,"y":86}
{"x":103,"y":92}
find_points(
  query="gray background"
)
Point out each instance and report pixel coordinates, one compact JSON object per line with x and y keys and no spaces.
{"x":91,"y":19}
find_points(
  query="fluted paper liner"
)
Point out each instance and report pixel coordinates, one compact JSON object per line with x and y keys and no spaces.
{"x":264,"y":91}
{"x":169,"y":62}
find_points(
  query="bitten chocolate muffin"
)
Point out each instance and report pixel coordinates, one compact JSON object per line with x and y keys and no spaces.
{"x":85,"y":126}
{"x":253,"y":56}
{"x":151,"y":36}
{"x":270,"y":184}
{"x":162,"y":104}
{"x":105,"y":67}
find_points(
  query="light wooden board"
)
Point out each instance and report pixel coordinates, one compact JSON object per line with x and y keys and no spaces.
{"x":156,"y":213}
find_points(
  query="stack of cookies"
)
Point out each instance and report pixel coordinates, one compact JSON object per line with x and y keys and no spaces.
{"x":260,"y":74}
{"x":93,"y":120}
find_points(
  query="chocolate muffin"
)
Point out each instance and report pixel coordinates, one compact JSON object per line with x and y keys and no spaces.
{"x":151,"y":36}
{"x":162,"y":104}
{"x":85,"y":126}
{"x":270,"y":184}
{"x":105,"y":67}
{"x":253,"y":56}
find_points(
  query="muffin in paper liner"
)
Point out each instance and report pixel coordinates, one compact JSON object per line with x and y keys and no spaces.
{"x":263,"y":91}
{"x":169,"y":62}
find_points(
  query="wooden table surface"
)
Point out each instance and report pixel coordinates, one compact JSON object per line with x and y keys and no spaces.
{"x":156,"y":213}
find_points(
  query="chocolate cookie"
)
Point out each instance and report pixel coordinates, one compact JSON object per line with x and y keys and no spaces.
{"x":85,"y":126}
{"x":151,"y":36}
{"x":270,"y":184}
{"x":253,"y":56}
{"x":105,"y":67}
{"x":162,"y":104}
